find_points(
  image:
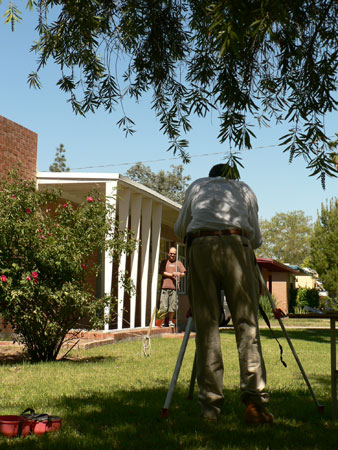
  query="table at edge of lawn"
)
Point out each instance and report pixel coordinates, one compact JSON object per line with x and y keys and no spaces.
{"x":334,"y":373}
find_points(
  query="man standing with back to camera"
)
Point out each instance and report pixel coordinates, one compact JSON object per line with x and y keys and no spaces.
{"x":219,"y":219}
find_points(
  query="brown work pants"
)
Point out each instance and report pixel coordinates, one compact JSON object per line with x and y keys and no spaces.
{"x":228,"y":263}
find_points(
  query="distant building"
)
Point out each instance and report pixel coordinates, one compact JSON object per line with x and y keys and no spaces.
{"x":307,"y":278}
{"x":279,"y":278}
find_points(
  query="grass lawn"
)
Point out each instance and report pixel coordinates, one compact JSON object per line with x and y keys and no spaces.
{"x":111,"y":397}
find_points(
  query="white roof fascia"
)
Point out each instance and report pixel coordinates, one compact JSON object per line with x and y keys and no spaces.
{"x":72,"y":177}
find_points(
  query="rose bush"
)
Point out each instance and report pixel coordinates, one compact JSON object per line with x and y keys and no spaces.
{"x":45,"y":252}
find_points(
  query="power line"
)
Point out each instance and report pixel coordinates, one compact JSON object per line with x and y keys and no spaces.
{"x":163,"y":159}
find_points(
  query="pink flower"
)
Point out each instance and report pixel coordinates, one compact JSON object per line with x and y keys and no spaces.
{"x":43,"y":237}
{"x":28,"y":211}
{"x":13,"y":196}
{"x":35,"y":281}
{"x":28,"y":278}
{"x":65,"y":205}
{"x":3,"y":278}
{"x":35,"y":275}
{"x":83,"y":266}
{"x":90,"y":199}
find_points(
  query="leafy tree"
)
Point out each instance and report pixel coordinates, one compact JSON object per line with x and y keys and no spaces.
{"x":324,"y":246}
{"x":253,"y":62}
{"x":59,"y":164}
{"x":334,"y":146}
{"x":172,"y":184}
{"x":44,"y":262}
{"x":307,"y":297}
{"x":286,"y":237}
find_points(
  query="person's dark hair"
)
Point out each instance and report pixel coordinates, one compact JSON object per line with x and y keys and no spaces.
{"x":217,"y":170}
{"x":224,"y":170}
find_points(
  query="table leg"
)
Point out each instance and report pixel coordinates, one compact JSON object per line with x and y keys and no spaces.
{"x":333,"y":369}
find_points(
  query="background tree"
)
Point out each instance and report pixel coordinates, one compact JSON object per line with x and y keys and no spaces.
{"x":324,"y":246}
{"x":59,"y":164}
{"x":286,"y":237}
{"x":45,"y":261}
{"x":172,"y":184}
{"x":334,"y":147}
{"x":253,"y":62}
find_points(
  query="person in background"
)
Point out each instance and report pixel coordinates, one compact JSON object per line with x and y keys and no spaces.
{"x":171,"y":270}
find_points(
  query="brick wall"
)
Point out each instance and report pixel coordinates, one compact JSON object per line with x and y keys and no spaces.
{"x":17,"y":144}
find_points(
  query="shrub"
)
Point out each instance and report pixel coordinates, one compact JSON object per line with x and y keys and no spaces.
{"x":266,"y":306}
{"x":327,"y":303}
{"x":44,"y":255}
{"x":307,"y":297}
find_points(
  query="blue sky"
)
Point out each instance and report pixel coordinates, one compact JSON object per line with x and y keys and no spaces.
{"x":96,"y":141}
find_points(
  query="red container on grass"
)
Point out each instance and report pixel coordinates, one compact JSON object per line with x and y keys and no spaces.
{"x":53,"y":423}
{"x":12,"y":426}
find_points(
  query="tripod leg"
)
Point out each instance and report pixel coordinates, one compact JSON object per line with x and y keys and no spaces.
{"x":273,"y":306}
{"x":192,"y":380}
{"x":165,"y":409}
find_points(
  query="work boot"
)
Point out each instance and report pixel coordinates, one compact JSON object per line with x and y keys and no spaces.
{"x":257,"y":415}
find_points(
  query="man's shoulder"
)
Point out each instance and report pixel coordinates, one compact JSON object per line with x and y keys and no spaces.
{"x":198,"y":182}
{"x":239,"y":184}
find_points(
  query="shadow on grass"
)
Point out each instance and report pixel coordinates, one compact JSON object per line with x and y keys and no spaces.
{"x":87,"y":359}
{"x":15,"y":359}
{"x":310,"y":335}
{"x":132,"y":420}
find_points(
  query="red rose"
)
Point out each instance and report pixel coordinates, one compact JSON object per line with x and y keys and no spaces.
{"x":35,"y":275}
{"x":90,"y":199}
{"x":3,"y":278}
{"x":28,"y":211}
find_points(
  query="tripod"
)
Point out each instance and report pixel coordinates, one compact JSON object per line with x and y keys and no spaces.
{"x":166,"y":406}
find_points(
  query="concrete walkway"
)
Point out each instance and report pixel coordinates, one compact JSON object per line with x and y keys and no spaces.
{"x":89,"y":339}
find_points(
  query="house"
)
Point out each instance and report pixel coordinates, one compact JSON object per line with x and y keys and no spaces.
{"x":280,"y":279}
{"x":150,"y":215}
{"x":307,"y":278}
